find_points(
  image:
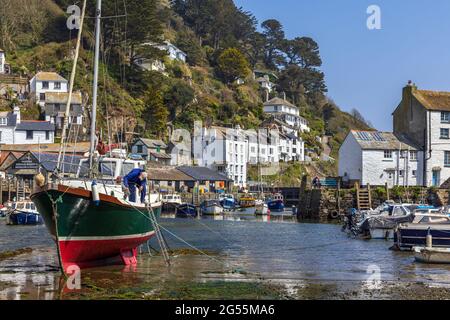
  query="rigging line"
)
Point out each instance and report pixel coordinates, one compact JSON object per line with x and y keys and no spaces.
{"x":72,"y":81}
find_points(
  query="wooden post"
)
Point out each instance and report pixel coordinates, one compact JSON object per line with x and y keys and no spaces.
{"x":357,"y":195}
{"x":17,"y":189}
{"x":369,"y":193}
{"x":1,"y":190}
{"x":339,"y":195}
{"x":9,"y":190}
{"x":387,"y":191}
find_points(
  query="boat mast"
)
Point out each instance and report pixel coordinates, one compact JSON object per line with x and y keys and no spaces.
{"x":93,"y":146}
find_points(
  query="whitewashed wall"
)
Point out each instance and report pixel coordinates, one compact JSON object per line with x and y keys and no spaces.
{"x":7,"y":135}
{"x":350,"y":159}
{"x":20,"y":137}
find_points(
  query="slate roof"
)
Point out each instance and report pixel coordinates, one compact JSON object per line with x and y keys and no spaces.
{"x":49,"y":76}
{"x":153,"y":143}
{"x":158,"y":155}
{"x":433,"y":100}
{"x":11,"y":118}
{"x":62,"y":97}
{"x":35,"y":126}
{"x":375,"y":140}
{"x":166,"y":173}
{"x":203,"y":174}
{"x":279,"y":102}
{"x":49,"y":161}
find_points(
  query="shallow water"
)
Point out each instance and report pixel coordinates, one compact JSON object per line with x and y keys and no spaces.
{"x":243,"y":249}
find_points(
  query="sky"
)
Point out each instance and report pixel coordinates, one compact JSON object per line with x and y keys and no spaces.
{"x":367,"y":69}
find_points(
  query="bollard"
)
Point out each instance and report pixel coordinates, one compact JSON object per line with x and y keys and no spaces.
{"x":429,"y":241}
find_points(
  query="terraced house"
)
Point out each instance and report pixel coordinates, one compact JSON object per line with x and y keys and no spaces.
{"x":418,"y":150}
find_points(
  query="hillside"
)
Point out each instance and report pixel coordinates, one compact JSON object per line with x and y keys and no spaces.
{"x":223,"y":43}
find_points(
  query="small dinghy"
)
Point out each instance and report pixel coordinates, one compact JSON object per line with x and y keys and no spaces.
{"x":432,"y":255}
{"x":186,"y":210}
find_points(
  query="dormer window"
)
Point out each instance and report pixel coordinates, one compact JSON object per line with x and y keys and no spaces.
{"x":57,"y":85}
{"x":3,"y":121}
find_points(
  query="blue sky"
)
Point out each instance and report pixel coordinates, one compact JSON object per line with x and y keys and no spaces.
{"x":366,"y":69}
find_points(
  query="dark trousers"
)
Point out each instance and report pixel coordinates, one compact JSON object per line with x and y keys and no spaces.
{"x":132,"y":197}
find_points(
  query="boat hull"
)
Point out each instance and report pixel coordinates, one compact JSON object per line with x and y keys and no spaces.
{"x":91,"y":235}
{"x":276,"y":206}
{"x":409,"y":237}
{"x":186,"y":210}
{"x":212,"y":210}
{"x":24,"y":218}
{"x":432,"y":255}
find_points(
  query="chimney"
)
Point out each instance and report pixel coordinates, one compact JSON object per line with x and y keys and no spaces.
{"x":408,"y":90}
{"x":16,"y":111}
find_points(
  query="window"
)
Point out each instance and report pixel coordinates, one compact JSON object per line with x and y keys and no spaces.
{"x":390,"y":175}
{"x":47,"y":135}
{"x":401,"y":173}
{"x":445,"y":116}
{"x":403,"y":154}
{"x":252,"y":149}
{"x":445,"y":133}
{"x":29,"y":134}
{"x":57,"y":85}
{"x":447,"y":158}
{"x":271,"y":151}
{"x":263,"y":151}
{"x":0,"y":136}
{"x":140,"y":149}
{"x":45,"y":85}
{"x":413,"y":155}
{"x":42,"y":96}
{"x":294,"y":150}
{"x":388,"y":154}
{"x":414,"y":173}
{"x":3,"y":121}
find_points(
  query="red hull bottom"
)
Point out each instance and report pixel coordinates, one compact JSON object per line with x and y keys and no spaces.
{"x":92,"y":253}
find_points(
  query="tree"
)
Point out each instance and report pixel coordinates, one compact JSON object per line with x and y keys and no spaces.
{"x":178,"y":97}
{"x":274,"y":36}
{"x":232,"y":65}
{"x":302,"y":51}
{"x":155,"y":113}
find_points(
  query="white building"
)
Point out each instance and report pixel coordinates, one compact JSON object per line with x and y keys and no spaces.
{"x":223,"y":150}
{"x":265,"y":83}
{"x":2,"y":61}
{"x":262,"y":146}
{"x":424,"y":117}
{"x":14,"y":130}
{"x":173,"y":52}
{"x":377,"y":158}
{"x":286,"y":112}
{"x":45,"y":82}
{"x":151,"y":150}
{"x":55,"y":108}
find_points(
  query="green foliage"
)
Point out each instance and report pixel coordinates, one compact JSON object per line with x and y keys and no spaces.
{"x":178,"y":97}
{"x":155,"y":114}
{"x":232,"y":65}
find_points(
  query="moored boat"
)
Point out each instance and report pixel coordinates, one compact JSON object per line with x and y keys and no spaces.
{"x":432,"y":255}
{"x":261,"y":208}
{"x":23,"y":213}
{"x":186,"y":210}
{"x":247,"y":205}
{"x":170,"y":202}
{"x":276,"y":203}
{"x":227,"y":201}
{"x":211,"y":207}
{"x":409,"y":235}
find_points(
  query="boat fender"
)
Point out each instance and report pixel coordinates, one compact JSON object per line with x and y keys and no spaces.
{"x":39,"y":179}
{"x":429,"y":239}
{"x":95,"y":194}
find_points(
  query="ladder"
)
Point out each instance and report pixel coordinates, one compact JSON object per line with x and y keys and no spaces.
{"x":363,"y":197}
{"x":161,"y":241}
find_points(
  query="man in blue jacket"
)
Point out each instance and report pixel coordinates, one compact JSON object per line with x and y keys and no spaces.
{"x":137,"y":178}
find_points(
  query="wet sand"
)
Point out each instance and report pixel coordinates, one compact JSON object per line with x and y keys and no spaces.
{"x":35,"y":275}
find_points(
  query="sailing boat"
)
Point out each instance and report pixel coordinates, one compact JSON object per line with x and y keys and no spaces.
{"x":91,"y":220}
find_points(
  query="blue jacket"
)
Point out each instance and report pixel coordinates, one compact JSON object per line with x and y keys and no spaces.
{"x":133,"y":178}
